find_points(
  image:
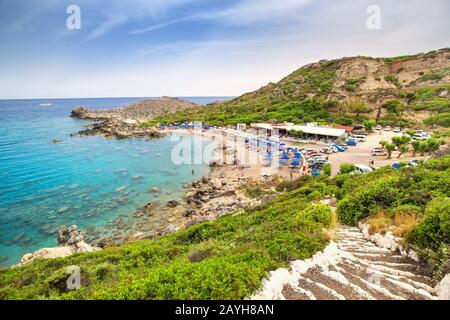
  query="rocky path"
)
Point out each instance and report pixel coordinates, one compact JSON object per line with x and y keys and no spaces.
{"x":352,"y":268}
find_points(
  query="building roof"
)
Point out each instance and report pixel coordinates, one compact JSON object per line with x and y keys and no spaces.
{"x":346,"y":128}
{"x":309,"y":129}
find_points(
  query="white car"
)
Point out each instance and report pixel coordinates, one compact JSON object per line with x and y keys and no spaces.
{"x":378,"y":127}
{"x":361,"y":169}
{"x":360,"y":138}
{"x":388,"y":128}
{"x":419,"y":136}
{"x":379,"y":152}
{"x":397,"y":130}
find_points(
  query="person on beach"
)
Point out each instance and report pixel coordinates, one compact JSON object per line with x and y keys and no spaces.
{"x":193,"y":172}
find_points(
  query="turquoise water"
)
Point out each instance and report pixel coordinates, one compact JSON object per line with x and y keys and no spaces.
{"x":86,"y":181}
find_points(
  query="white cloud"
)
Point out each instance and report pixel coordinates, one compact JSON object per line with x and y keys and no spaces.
{"x":235,"y":63}
{"x":245,"y":12}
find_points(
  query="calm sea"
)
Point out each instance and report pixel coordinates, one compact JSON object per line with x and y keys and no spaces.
{"x":44,"y":185}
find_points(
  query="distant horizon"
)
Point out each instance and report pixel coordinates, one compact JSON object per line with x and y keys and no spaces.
{"x":114,"y":97}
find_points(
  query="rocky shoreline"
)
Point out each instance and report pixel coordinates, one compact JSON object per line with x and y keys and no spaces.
{"x":219,"y":193}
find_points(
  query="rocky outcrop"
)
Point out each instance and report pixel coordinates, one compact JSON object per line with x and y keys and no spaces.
{"x":70,"y":241}
{"x":140,"y":111}
{"x":114,"y":128}
{"x":211,"y":198}
{"x":388,"y":241}
{"x":443,"y":288}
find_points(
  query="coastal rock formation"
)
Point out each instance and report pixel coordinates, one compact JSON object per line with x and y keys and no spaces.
{"x":70,"y":241}
{"x":139,"y":112}
{"x":114,"y":128}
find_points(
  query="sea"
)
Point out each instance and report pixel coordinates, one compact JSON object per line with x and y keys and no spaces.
{"x":50,"y":178}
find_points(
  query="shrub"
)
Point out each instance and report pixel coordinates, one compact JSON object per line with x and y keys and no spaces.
{"x":346,"y":168}
{"x":392,"y":79}
{"x":431,"y":237}
{"x":442,"y":120}
{"x":327,"y":169}
{"x":363,"y":202}
{"x":319,"y":213}
{"x":394,"y":106}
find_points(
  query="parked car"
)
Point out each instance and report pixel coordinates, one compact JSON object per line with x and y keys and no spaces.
{"x":343,"y":146}
{"x":378,"y":127}
{"x":419,"y":136}
{"x":397,"y":130}
{"x":320,"y":161}
{"x":361,"y":169}
{"x":360,"y":138}
{"x":360,"y":133}
{"x":326,"y":150}
{"x":339,"y":148}
{"x":387,"y":128}
{"x":351,"y":142}
{"x":379,"y":152}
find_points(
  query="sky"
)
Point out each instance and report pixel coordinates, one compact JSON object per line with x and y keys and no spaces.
{"x":143,"y":48}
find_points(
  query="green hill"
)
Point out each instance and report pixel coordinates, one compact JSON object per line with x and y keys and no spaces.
{"x":344,"y":91}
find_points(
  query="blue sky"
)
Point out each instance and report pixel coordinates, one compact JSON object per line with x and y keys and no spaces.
{"x":196,"y":47}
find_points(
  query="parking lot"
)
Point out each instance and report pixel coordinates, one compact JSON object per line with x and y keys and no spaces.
{"x":362,"y":152}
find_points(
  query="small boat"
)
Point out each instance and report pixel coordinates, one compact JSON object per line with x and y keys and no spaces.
{"x":44,"y":104}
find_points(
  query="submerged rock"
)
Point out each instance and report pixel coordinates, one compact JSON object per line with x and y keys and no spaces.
{"x":172,"y":203}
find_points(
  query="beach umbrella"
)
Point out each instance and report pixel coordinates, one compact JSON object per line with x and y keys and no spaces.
{"x":298,"y":155}
{"x":285,"y":156}
{"x":295,"y":163}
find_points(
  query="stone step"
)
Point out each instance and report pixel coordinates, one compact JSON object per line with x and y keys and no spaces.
{"x":319,"y":290}
{"x":338,"y":283}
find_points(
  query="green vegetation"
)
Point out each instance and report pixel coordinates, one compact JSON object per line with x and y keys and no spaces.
{"x":352,"y":85}
{"x":369,"y":124}
{"x":435,"y":75}
{"x":430,"y":99}
{"x":394,"y":106}
{"x":256,"y":192}
{"x":222,"y":259}
{"x":425,"y":190}
{"x":346,"y":168}
{"x":228,"y":258}
{"x":327,"y":169}
{"x":392,"y":79}
{"x":442,"y":120}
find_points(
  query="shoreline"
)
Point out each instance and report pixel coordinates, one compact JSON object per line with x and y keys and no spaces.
{"x":218,"y":192}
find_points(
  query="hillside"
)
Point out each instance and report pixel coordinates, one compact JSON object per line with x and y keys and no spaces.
{"x":394,"y":91}
{"x":228,"y":258}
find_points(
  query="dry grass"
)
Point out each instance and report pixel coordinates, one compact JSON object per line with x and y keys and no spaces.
{"x":400,"y":225}
{"x":331,"y":231}
{"x":403,"y":223}
{"x":379,"y":224}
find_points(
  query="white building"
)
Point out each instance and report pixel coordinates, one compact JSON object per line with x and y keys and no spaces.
{"x":310,"y":130}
